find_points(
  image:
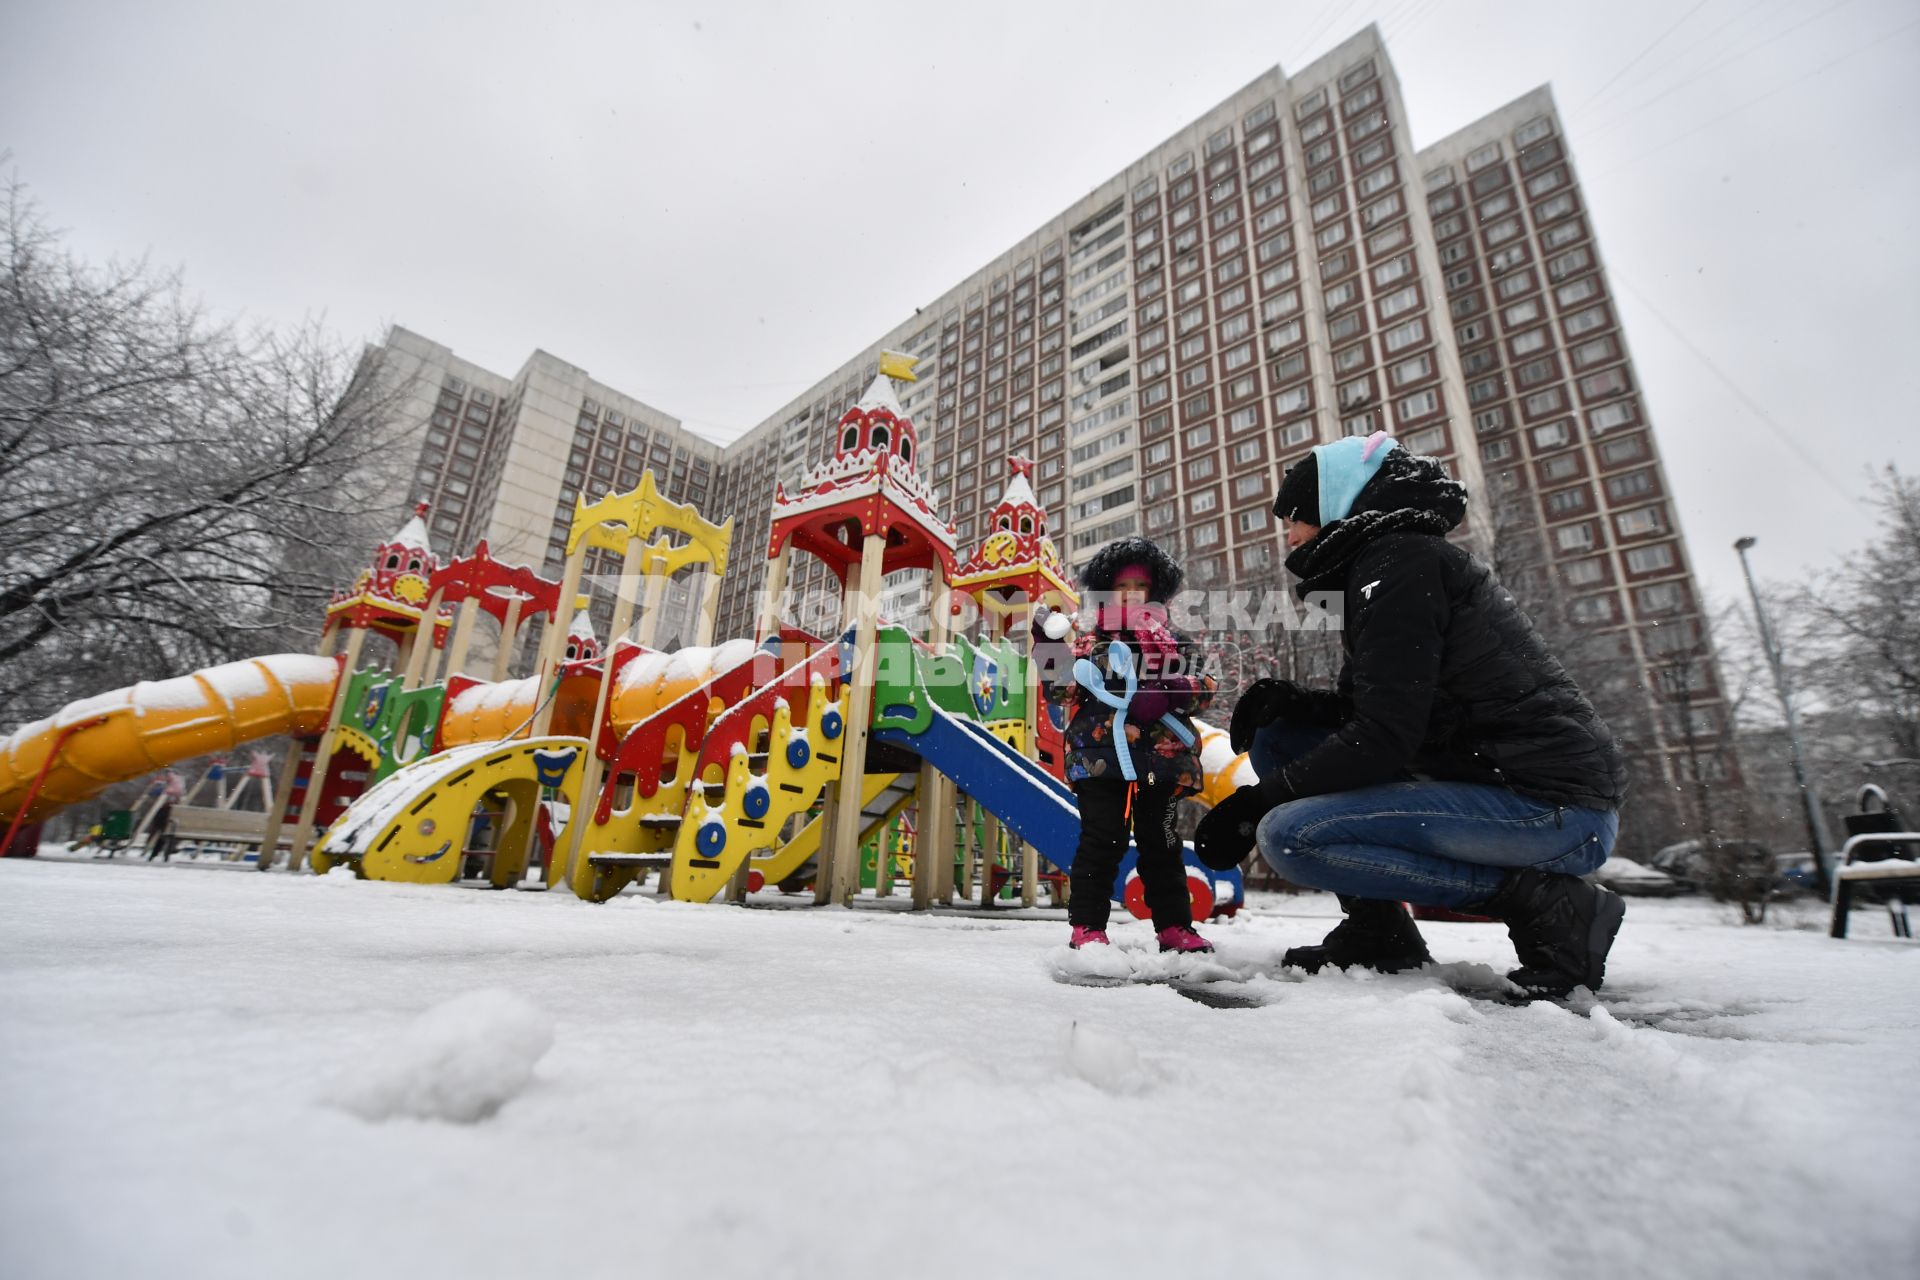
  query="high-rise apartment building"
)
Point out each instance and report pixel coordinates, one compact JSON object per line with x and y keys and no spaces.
{"x":1286,"y":270}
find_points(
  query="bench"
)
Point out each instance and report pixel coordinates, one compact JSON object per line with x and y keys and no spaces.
{"x":203,"y":825}
{"x":1885,"y":872}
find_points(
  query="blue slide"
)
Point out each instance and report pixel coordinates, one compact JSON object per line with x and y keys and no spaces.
{"x":1029,"y":801}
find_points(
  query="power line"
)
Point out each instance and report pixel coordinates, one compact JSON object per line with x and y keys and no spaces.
{"x":1621,"y":118}
{"x":1635,"y":60}
{"x":1753,"y":406}
{"x":1872,"y":44}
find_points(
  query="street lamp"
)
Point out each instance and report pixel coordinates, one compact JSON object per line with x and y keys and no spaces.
{"x":1816,"y":820}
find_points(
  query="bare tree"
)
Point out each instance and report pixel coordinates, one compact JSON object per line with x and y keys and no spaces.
{"x":1863,"y":619}
{"x":176,"y":491}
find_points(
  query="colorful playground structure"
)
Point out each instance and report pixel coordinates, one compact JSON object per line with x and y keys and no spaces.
{"x":725,"y":768}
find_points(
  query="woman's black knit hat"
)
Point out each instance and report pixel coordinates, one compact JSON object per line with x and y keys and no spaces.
{"x":1108,"y":561}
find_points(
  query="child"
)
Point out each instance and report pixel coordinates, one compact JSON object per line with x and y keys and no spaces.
{"x":1127,"y":668}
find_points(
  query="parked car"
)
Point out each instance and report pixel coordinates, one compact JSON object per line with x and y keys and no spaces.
{"x":1633,"y":880}
{"x":1719,"y":870}
{"x":1797,"y":872}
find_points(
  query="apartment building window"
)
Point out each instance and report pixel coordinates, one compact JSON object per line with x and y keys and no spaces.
{"x":1507,"y":259}
{"x":1572,"y":295}
{"x":1341,"y":294}
{"x":1514,"y":285}
{"x":1289,"y":367}
{"x":1598,"y":386}
{"x":1599,"y":351}
{"x":1481,"y":157}
{"x":1496,"y":450}
{"x":1574,"y":537}
{"x":1569,"y":263}
{"x":1584,"y":573}
{"x":1296,"y":434}
{"x":1201,"y":503}
{"x":1552,"y":435}
{"x":1399,"y":301}
{"x":1564,"y":234}
{"x":1242,"y":419}
{"x":1542,"y":403}
{"x":1346,"y":325}
{"x":1329,"y":236}
{"x":1488,"y":420}
{"x":1532,"y":131}
{"x":1201,"y":468}
{"x":1377,"y":181}
{"x":1408,"y":371}
{"x":1199,"y":374}
{"x":1387,"y":272}
{"x":1282,"y":336}
{"x":1418,"y":405}
{"x":1631,"y":485}
{"x":1290,"y":401}
{"x":1586,"y":321}
{"x":1402,"y":336}
{"x":1633,"y":524}
{"x":1529,"y":342}
{"x":1593,"y":610}
{"x":1483,"y":390}
{"x":1629,"y":449}
{"x":1382,"y":243}
{"x":1237,"y":326}
{"x":1277,"y":306}
{"x":1650,"y":559}
{"x":1380,"y":210}
{"x":1566,"y":502}
{"x":1197,"y":405}
{"x":1663,"y":597}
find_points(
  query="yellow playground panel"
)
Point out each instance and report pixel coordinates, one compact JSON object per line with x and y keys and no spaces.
{"x":413,"y":825}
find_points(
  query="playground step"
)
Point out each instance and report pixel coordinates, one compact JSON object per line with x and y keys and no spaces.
{"x":660,"y":820}
{"x":630,"y":859}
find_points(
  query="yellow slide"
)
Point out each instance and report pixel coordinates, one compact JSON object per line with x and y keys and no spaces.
{"x":147,"y":726}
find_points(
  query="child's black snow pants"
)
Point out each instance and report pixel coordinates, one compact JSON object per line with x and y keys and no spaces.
{"x":1103,"y":843}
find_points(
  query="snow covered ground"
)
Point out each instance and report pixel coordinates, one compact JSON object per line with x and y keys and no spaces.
{"x":219,"y":1073}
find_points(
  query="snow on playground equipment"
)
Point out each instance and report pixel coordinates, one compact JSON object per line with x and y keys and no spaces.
{"x":134,"y":731}
{"x":724,"y":766}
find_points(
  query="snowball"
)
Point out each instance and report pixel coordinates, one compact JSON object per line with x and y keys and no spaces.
{"x":1104,"y":1060}
{"x":460,"y":1061}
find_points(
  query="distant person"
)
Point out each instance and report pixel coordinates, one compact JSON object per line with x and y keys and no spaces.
{"x":1456,"y":764}
{"x":1129,"y":684}
{"x":160,"y":832}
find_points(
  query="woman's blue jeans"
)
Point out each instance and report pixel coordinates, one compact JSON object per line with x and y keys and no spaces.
{"x":1434,"y":843}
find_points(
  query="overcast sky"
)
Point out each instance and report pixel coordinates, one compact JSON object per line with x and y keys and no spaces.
{"x":712,"y":207}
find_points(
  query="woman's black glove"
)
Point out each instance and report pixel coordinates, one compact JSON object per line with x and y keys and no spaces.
{"x":1265,"y":701}
{"x":1225,"y":835}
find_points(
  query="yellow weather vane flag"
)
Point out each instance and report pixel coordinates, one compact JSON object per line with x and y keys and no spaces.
{"x":895,"y":364}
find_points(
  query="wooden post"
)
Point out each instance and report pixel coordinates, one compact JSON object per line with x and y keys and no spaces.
{"x":709,"y":609}
{"x":592,"y":768}
{"x":933,"y":849}
{"x":277,"y":820}
{"x":768,"y":623}
{"x":845,"y":832}
{"x":509,"y":636}
{"x":553,"y":645}
{"x":657,"y":579}
{"x":1029,"y":856}
{"x":420,"y":645}
{"x":316,"y":781}
{"x":462,"y":639}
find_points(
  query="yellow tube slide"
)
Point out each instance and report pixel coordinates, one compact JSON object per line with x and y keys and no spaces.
{"x":155,"y":723}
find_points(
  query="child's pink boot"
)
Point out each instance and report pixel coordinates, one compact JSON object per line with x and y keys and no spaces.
{"x":1083,"y":936}
{"x":1180,"y":937}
